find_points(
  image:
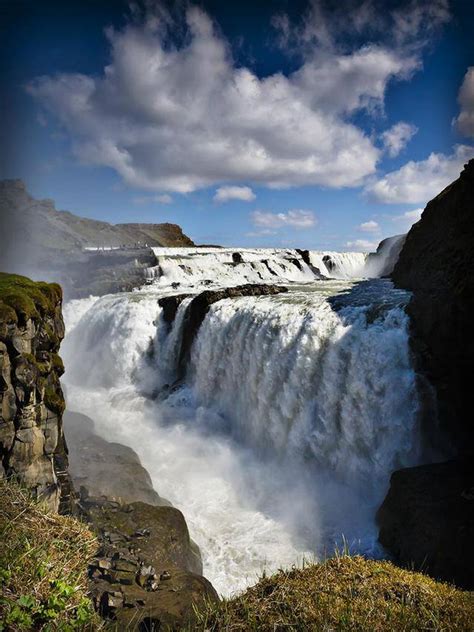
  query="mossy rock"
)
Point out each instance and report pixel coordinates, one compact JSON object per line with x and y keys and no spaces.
{"x":21,"y":298}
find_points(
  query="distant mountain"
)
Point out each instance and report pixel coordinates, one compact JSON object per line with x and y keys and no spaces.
{"x":34,"y":227}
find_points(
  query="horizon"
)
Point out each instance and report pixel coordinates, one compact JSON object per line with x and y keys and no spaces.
{"x":277,"y":125}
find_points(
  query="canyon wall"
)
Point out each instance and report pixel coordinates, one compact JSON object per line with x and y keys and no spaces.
{"x":437,"y":264}
{"x":426,"y":520}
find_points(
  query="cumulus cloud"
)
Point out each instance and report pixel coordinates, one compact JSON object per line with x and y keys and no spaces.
{"x":364,"y":245}
{"x":296,"y":218}
{"x":420,"y":181}
{"x":224,"y":194}
{"x":397,"y":137}
{"x":177,"y":118}
{"x":465,"y":120}
{"x":369,"y":227}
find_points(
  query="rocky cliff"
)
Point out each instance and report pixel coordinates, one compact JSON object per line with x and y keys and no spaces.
{"x":427,"y":518}
{"x":437,"y":264}
{"x":38,"y":224}
{"x":40,"y":241}
{"x":32,"y":445}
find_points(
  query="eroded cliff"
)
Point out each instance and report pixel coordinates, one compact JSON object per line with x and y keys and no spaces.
{"x":32,"y":445}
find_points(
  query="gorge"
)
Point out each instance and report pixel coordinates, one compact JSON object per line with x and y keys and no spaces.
{"x":286,"y":402}
{"x":267,"y":394}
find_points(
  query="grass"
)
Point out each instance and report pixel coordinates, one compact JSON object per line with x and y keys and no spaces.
{"x":43,"y":567}
{"x":341,"y":594}
{"x":21,"y":298}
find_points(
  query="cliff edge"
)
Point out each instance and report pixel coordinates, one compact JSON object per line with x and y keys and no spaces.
{"x":437,"y":264}
{"x":32,"y":445}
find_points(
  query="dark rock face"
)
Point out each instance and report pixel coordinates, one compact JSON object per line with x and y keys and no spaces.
{"x":304,"y":254}
{"x":437,"y":264}
{"x":427,"y":519}
{"x":32,"y":444}
{"x":198,"y":308}
{"x":106,"y":469}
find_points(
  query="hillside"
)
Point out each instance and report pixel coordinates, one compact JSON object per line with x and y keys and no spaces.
{"x":33,"y":229}
{"x":343,"y":593}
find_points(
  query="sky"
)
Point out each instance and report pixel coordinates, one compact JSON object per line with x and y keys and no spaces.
{"x":322,"y":125}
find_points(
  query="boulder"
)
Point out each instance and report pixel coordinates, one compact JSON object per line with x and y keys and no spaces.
{"x":427,"y":520}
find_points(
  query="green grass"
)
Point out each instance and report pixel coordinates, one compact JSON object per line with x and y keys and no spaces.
{"x":21,"y":298}
{"x":343,"y":594}
{"x":43,"y":567}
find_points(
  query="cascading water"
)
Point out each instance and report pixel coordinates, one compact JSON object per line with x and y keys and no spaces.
{"x":293,"y":412}
{"x":194,"y":267}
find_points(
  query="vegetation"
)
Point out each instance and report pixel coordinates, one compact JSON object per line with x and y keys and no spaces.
{"x":21,"y":298}
{"x":343,"y":593}
{"x":43,"y":567}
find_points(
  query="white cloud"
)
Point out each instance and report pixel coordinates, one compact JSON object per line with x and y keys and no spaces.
{"x":177,"y":119}
{"x":296,"y":218}
{"x":148,"y":199}
{"x":409,"y":216}
{"x":362,"y":244}
{"x":406,"y":220}
{"x":369,"y":227}
{"x":417,"y":182}
{"x":397,"y":137}
{"x":465,"y":120}
{"x":224,"y":194}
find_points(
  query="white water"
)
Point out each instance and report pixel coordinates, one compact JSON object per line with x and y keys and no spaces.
{"x":294,"y":411}
{"x":211,"y":267}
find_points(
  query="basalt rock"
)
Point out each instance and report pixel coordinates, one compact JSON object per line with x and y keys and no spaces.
{"x":437,"y":264}
{"x":32,"y":445}
{"x":198,"y":308}
{"x":427,"y":517}
{"x":427,"y":520}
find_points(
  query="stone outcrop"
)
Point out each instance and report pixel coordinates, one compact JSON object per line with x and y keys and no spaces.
{"x":427,"y":517}
{"x":147,"y":570}
{"x":32,"y":445}
{"x":105,"y":469}
{"x":437,"y":264}
{"x":198,"y":308}
{"x":427,"y":520}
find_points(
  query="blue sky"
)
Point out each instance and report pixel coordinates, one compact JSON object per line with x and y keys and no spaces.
{"x":306,"y":124}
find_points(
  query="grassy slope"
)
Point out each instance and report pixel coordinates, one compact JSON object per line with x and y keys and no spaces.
{"x":43,"y":567}
{"x":344,"y":593}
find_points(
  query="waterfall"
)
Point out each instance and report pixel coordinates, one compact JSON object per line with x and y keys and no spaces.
{"x":293,"y":411}
{"x":191,"y":267}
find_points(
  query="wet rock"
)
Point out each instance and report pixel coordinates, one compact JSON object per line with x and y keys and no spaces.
{"x":198,"y":308}
{"x":237,"y":257}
